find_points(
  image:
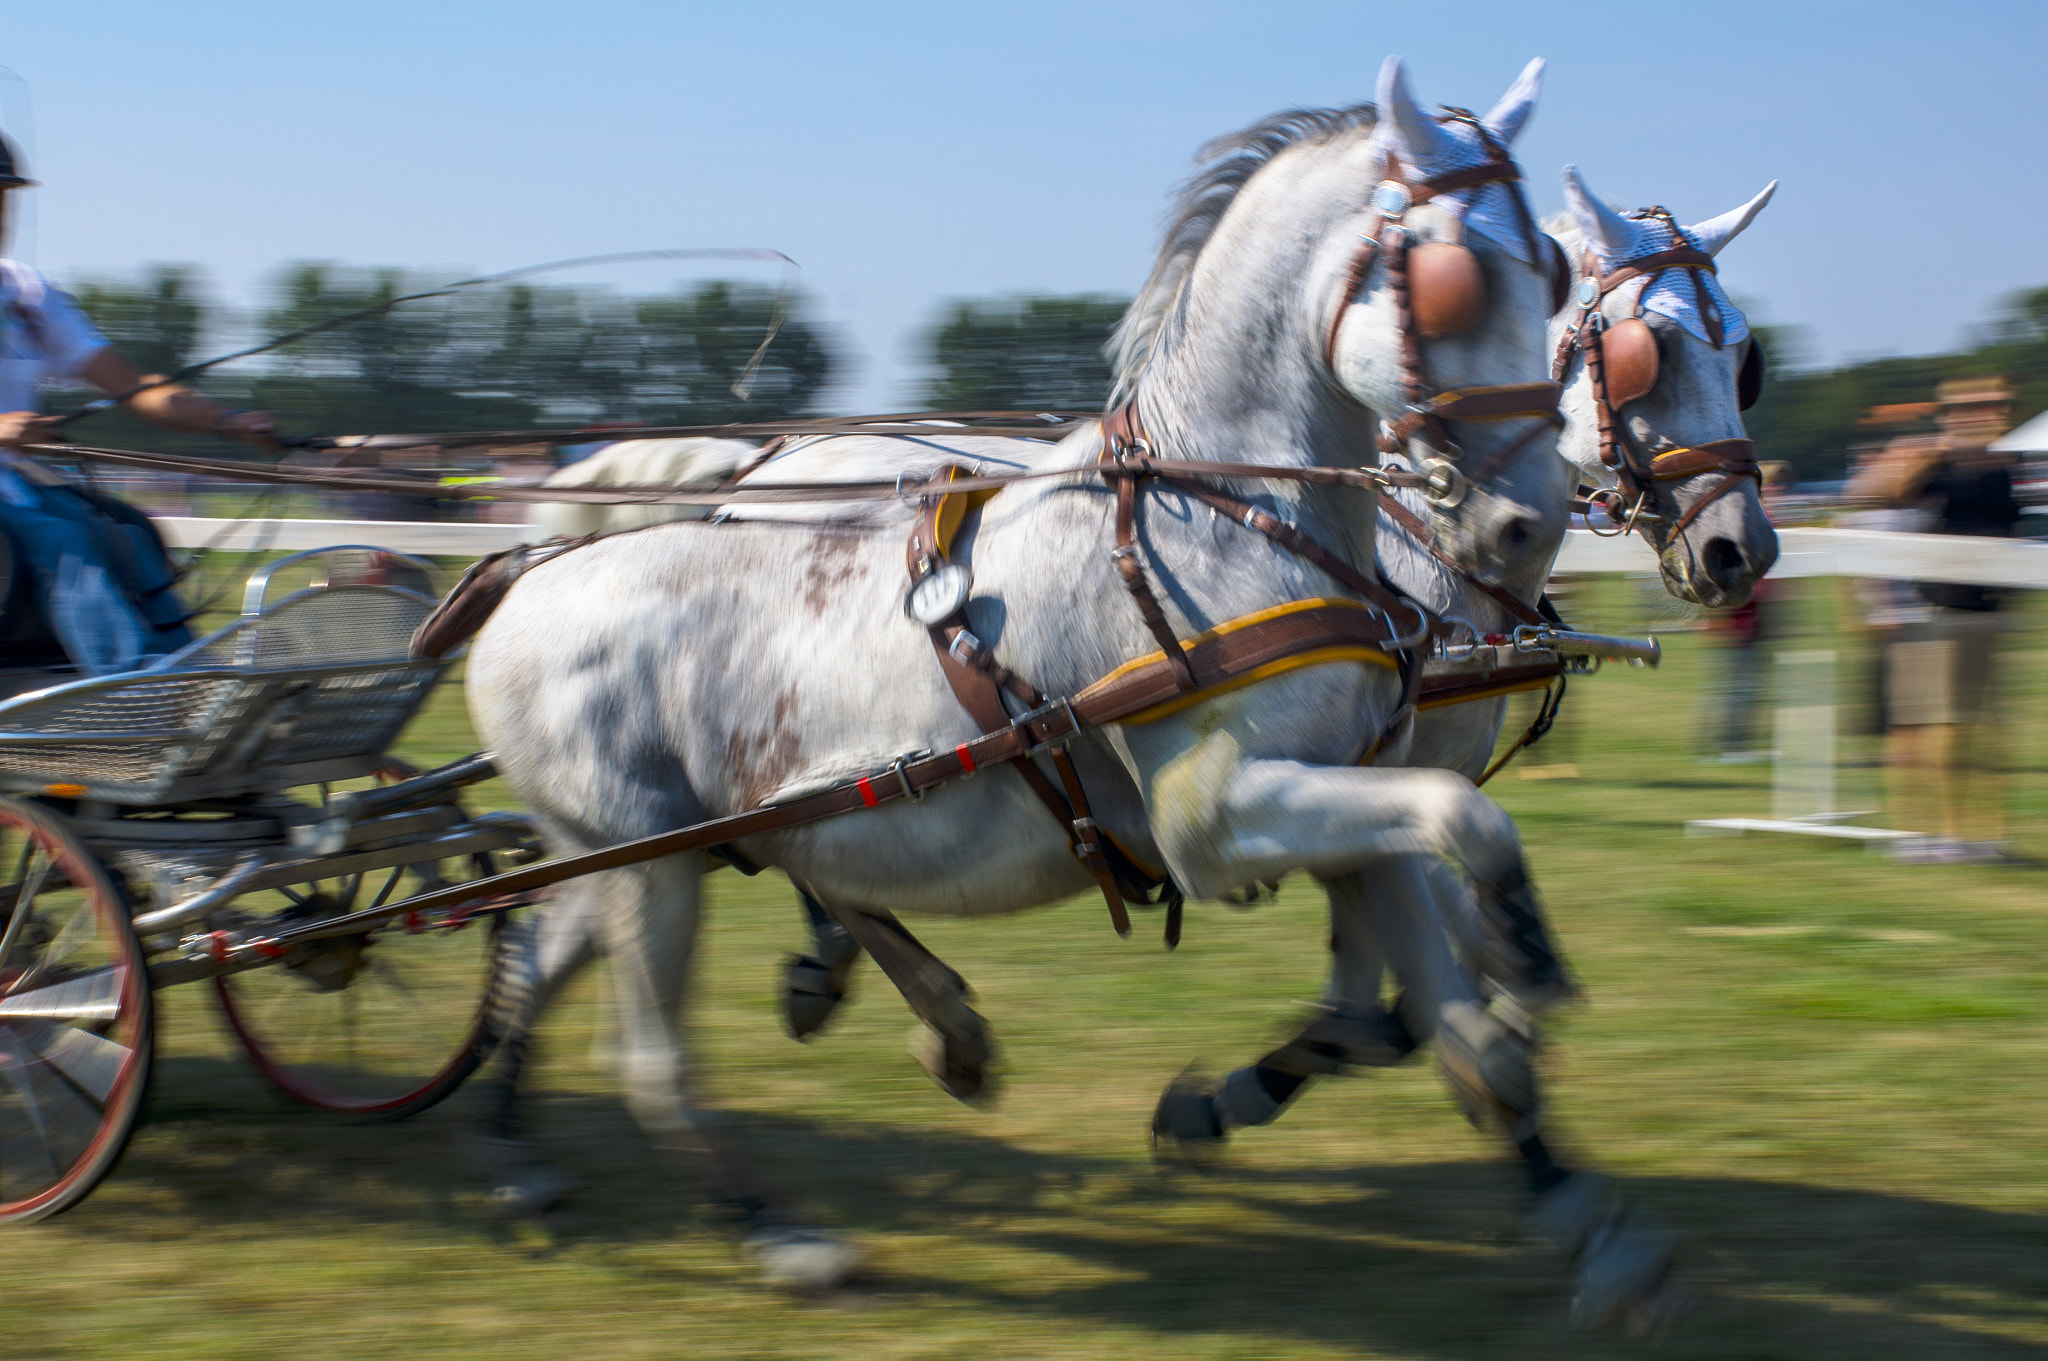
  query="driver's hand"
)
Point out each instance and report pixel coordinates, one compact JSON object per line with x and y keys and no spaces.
{"x":25,"y":427}
{"x":258,"y":428}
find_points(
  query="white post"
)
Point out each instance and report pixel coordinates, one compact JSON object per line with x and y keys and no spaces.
{"x":1803,"y":762}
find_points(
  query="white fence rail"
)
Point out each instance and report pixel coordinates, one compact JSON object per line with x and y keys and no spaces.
{"x":1803,"y":552}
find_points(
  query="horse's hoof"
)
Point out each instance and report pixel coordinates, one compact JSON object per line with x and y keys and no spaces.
{"x":960,"y":1062}
{"x":806,"y":1260}
{"x":1188,"y":1121}
{"x":535,"y":1190}
{"x":521,"y":1183}
{"x":1626,"y":1274}
{"x":811,"y":992}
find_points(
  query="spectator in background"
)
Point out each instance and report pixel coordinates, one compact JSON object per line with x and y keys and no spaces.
{"x":1741,"y":654}
{"x":1939,"y":687}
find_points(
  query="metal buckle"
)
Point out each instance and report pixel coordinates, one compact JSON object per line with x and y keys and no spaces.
{"x":1022,"y":723}
{"x":964,"y":648}
{"x":900,"y":768}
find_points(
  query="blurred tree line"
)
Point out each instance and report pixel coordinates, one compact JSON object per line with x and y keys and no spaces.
{"x":527,"y":355}
{"x":524,"y":356}
{"x":1025,"y":353}
{"x":511,"y":357}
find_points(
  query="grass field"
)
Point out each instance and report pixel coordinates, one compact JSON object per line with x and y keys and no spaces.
{"x":1825,"y":1069}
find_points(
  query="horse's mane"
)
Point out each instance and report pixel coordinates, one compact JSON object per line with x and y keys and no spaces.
{"x":1224,"y":166}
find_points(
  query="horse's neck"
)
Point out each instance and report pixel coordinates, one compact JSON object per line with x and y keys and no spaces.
{"x":1207,"y":401}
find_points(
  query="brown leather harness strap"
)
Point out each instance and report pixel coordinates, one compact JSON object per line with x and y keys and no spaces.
{"x":972,"y":675}
{"x":1122,"y":437}
{"x":1125,"y":459}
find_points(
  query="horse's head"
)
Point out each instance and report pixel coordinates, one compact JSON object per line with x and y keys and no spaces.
{"x":1440,"y":328}
{"x":1659,"y":366}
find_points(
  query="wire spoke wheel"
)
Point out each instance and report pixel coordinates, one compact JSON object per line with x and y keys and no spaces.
{"x":384,"y":1023}
{"x":75,"y":1017}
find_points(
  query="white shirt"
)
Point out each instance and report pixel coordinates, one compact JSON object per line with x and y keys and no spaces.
{"x":43,"y":335}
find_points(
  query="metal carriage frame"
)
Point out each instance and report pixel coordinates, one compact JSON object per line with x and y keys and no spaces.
{"x":180,"y":824}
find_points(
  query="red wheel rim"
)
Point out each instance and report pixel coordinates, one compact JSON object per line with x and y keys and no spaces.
{"x":73,"y":990}
{"x":298,"y":1077}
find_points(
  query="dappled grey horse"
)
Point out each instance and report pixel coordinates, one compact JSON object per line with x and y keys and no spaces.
{"x":657,"y":679}
{"x":1695,"y":401}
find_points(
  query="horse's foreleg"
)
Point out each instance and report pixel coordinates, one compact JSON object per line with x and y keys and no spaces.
{"x":1223,"y":819}
{"x":1624,"y":1259}
{"x":1353,"y":1029}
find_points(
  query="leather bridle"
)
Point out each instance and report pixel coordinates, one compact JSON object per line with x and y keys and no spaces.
{"x":1428,"y":412}
{"x":1604,"y":343}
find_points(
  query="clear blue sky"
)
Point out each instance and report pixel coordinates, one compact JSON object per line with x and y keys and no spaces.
{"x":908,"y":152}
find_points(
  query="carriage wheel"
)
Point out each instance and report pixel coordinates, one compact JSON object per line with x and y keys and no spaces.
{"x":75,"y":1017}
{"x":380,"y":1025}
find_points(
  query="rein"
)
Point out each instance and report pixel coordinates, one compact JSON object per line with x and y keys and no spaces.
{"x":793,"y":493}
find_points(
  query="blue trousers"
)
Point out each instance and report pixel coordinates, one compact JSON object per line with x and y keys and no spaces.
{"x":103,"y":585}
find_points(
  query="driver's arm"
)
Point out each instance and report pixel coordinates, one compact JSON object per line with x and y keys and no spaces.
{"x":175,"y":406}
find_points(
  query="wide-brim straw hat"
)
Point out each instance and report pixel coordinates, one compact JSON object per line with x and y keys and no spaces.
{"x":1992,"y":391}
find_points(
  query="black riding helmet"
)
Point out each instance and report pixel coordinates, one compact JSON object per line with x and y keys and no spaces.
{"x":10,"y":168}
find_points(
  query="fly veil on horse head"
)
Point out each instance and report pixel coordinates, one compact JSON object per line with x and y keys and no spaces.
{"x":1667,"y":446}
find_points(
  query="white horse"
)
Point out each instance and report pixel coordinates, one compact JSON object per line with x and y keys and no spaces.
{"x":1695,"y":401}
{"x":655,"y":680}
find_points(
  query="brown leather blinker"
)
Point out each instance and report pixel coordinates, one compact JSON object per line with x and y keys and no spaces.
{"x":1446,"y":289}
{"x":1628,"y":350}
{"x":1560,"y":275}
{"x":1749,"y":384}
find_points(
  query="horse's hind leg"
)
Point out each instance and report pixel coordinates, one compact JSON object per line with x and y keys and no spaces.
{"x":814,"y":985}
{"x":548,"y":948}
{"x":646,"y":924}
{"x":960,"y":1052}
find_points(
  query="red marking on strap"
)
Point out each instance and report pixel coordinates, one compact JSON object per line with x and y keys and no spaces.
{"x":966,"y":759}
{"x":867,"y":791}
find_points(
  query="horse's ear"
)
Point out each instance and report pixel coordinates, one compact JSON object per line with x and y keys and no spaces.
{"x":1612,"y":236}
{"x":1508,"y":117}
{"x":1717,"y":232}
{"x":1420,"y":139}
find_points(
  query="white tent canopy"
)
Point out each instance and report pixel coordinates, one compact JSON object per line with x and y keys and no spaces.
{"x":2029,"y":437}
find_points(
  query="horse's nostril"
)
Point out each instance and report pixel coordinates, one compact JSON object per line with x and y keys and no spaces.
{"x":1516,"y":535}
{"x":1723,"y":561}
